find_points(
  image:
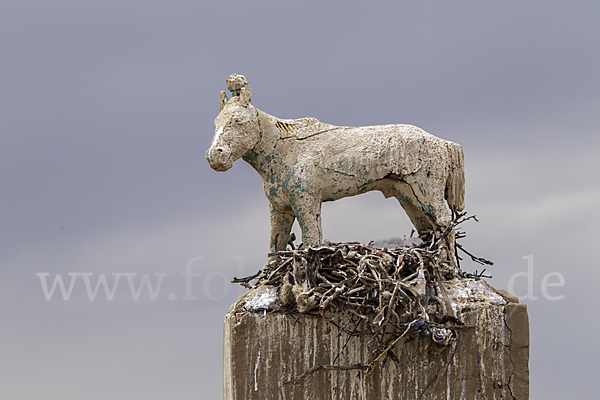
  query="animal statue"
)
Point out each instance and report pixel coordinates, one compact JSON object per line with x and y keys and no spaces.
{"x":304,"y":162}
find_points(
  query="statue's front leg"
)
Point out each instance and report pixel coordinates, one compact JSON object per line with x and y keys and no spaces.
{"x":308,"y":212}
{"x":281,"y":226}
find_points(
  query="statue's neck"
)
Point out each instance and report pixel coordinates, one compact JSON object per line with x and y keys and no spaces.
{"x":262,"y":154}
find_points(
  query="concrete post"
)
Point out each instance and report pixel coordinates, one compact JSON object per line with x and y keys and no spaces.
{"x":488,"y":360}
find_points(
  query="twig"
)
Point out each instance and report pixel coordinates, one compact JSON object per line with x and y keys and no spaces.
{"x":317,"y":368}
{"x":479,"y":260}
{"x":246,"y":279}
{"x":373,"y":363}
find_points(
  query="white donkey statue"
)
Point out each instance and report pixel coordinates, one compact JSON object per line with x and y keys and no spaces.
{"x":304,"y":162}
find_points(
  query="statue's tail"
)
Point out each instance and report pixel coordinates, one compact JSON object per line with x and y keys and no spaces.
{"x":455,"y":185}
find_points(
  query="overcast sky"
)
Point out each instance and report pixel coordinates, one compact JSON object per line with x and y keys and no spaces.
{"x":107,"y":108}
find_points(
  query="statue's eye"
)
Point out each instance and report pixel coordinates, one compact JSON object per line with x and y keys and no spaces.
{"x":239,"y":122}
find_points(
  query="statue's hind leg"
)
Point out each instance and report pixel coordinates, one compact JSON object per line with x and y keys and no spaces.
{"x":420,"y":220}
{"x":426,"y":214}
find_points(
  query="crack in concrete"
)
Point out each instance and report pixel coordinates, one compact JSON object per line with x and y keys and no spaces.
{"x":510,"y":379}
{"x":312,"y":134}
{"x":346,"y":174}
{"x":340,"y":172}
{"x":429,"y":217}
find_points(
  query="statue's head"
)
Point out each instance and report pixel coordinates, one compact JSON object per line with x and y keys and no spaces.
{"x":236,"y":126}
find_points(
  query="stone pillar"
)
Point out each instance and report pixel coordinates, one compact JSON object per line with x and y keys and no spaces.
{"x":488,"y":360}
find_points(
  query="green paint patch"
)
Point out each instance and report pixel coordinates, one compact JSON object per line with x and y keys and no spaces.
{"x":428,"y":208}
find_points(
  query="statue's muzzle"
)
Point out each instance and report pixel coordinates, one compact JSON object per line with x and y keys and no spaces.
{"x":219,"y":158}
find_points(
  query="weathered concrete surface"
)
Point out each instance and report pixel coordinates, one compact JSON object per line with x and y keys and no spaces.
{"x":304,"y":162}
{"x":488,"y":360}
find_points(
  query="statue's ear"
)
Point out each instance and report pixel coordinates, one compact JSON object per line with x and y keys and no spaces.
{"x":223,"y":99}
{"x":245,"y":95}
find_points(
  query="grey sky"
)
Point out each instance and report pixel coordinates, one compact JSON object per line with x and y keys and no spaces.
{"x":106,"y":112}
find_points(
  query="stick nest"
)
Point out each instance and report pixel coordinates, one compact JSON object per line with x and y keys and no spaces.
{"x":390,"y":294}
